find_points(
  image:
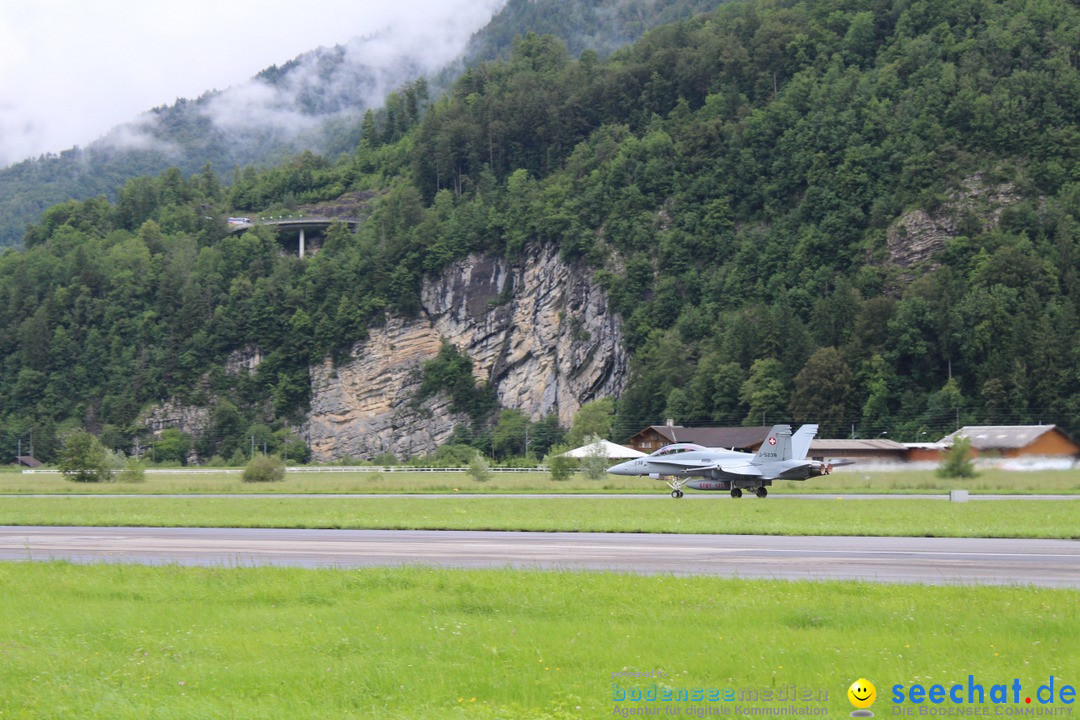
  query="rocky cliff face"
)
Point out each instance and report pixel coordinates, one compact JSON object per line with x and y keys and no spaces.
{"x":190,"y":419}
{"x":537,"y":329}
{"x":365,"y":407}
{"x":917,"y":236}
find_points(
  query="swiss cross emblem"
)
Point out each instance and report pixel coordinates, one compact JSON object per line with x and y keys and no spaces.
{"x":772,"y":441}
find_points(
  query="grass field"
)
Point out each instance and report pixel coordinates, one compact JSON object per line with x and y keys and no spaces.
{"x":118,"y":642}
{"x":848,"y":480}
{"x":1005,"y":518}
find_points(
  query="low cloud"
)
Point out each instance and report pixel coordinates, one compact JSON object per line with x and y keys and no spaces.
{"x":287,"y":104}
{"x":65,"y":77}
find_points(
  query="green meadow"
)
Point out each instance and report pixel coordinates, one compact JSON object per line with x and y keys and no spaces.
{"x":118,"y":642}
{"x":861,"y":480}
{"x":772,"y":516}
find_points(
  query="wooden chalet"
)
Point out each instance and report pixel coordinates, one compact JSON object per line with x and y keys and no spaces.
{"x":654,"y":437}
{"x":1014,"y":441}
{"x":869,"y":450}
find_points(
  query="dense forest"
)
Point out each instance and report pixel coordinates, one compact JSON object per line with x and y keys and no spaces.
{"x":734,"y":179}
{"x":602,"y":26}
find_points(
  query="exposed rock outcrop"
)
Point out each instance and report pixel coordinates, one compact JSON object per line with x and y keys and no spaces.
{"x":916,"y":236}
{"x":366,"y":406}
{"x":538,"y":330}
{"x":172,"y":414}
{"x":244,"y":360}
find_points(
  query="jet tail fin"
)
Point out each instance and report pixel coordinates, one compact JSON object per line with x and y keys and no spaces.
{"x":777,"y":446}
{"x":800,"y":441}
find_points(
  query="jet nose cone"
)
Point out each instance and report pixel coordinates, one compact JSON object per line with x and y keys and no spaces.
{"x":619,"y":469}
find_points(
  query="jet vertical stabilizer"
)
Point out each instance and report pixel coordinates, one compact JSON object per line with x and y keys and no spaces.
{"x":800,"y":441}
{"x":777,"y":446}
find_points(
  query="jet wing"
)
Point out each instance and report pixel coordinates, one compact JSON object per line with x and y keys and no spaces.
{"x":783,"y":470}
{"x":745,"y":469}
{"x":674,"y":464}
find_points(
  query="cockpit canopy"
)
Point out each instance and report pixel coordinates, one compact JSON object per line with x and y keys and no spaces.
{"x":677,"y":448}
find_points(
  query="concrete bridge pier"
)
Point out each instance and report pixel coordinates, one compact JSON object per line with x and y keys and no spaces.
{"x":284,"y":226}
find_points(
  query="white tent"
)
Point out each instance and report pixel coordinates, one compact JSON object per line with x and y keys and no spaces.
{"x":606,"y":449}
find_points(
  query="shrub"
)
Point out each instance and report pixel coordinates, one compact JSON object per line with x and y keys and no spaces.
{"x":956,"y":463}
{"x":478,"y":468}
{"x":132,"y":472}
{"x":264,"y":468}
{"x":452,"y":455}
{"x":172,"y":447}
{"x":385,"y":459}
{"x":84,"y":458}
{"x":596,"y":462}
{"x":560,"y":466}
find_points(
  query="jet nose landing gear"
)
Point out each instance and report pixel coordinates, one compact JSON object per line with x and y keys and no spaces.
{"x":676,"y":486}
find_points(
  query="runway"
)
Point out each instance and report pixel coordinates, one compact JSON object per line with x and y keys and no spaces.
{"x":1049,"y":563}
{"x":552,"y":496}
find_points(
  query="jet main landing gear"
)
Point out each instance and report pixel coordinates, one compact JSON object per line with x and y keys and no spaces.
{"x":761,"y":492}
{"x":736,"y":493}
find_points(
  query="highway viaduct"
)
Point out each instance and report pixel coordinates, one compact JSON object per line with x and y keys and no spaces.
{"x":298,"y":227}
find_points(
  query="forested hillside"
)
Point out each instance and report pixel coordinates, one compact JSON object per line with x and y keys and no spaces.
{"x":312,"y":102}
{"x":753,"y":187}
{"x":602,"y":26}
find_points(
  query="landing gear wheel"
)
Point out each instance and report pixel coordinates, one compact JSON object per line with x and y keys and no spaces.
{"x":736,"y":493}
{"x":761,"y":492}
{"x":676,"y":494}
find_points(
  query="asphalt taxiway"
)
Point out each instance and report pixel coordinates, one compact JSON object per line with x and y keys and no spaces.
{"x":1050,"y":563}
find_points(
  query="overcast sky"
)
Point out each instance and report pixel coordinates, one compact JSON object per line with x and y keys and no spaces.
{"x":72,"y":69}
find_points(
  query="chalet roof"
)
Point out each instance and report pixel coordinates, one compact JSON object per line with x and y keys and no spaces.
{"x":28,"y":461}
{"x":856,"y":444}
{"x":726,"y":437}
{"x":1000,"y":437}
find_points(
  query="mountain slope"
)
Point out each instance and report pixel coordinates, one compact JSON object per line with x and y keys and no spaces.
{"x":313,"y":102}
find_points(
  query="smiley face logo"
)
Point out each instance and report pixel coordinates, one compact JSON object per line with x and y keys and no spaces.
{"x":862,"y":695}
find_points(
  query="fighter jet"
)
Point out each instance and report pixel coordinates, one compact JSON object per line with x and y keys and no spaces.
{"x":781,"y":457}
